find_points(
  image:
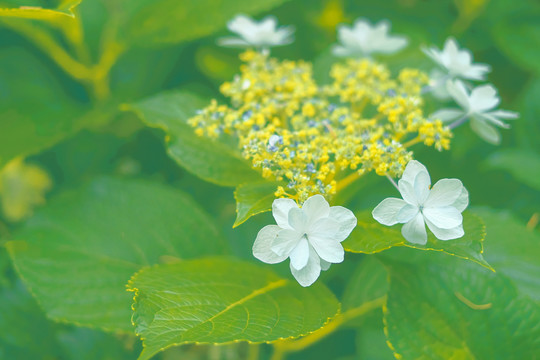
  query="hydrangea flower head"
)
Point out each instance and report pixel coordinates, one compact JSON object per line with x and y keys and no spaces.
{"x":457,"y":62}
{"x":364,"y":39}
{"x":262,"y":34}
{"x":439,"y":207}
{"x":309,"y":236}
{"x":478,"y":106}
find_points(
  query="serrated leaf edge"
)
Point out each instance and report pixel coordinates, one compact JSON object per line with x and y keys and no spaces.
{"x":131,"y":288}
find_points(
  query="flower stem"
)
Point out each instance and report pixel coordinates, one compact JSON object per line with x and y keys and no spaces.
{"x":392,"y":181}
{"x":412,"y":142}
{"x":458,"y":122}
{"x":348,"y":180}
{"x":282,"y":348}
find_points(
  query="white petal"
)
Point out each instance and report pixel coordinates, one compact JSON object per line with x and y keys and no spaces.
{"x":477,"y":72}
{"x":484,"y":98}
{"x":447,"y":114}
{"x":415,"y":231}
{"x":325,"y":265}
{"x":315,"y":208}
{"x":443,"y":217}
{"x":309,"y":273}
{"x":462,"y":201}
{"x":298,"y":220}
{"x":407,"y":192}
{"x":459,"y":93}
{"x":280,"y":211}
{"x":285,"y":241}
{"x":346,"y":219}
{"x":504,"y":114}
{"x":493,"y":120}
{"x":262,"y":248}
{"x":386,"y":212}
{"x":445,"y":234}
{"x":233,"y":42}
{"x":325,"y":228}
{"x":421,"y":186}
{"x":485,"y":131}
{"x":412,"y":169}
{"x":407,"y":213}
{"x":444,"y":193}
{"x":327,"y":249}
{"x":300,"y":254}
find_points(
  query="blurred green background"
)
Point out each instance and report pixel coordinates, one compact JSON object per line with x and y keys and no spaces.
{"x":63,"y":80}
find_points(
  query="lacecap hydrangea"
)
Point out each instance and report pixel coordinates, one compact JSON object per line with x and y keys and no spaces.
{"x":316,"y":139}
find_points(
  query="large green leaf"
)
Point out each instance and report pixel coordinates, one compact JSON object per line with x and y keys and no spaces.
{"x":513,"y":250}
{"x":522,"y":164}
{"x":370,"y":237}
{"x":77,"y":253}
{"x":35,"y":109}
{"x":168,"y":21}
{"x":253,"y":198}
{"x":451,"y":309}
{"x":367,"y":283}
{"x":220,"y":300}
{"x":210,"y":160}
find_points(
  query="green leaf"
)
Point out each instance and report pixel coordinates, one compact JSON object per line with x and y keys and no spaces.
{"x":253,"y":199}
{"x":170,"y":22}
{"x":219,"y":301}
{"x":522,"y":164}
{"x":527,"y":126}
{"x":367,"y":283}
{"x":513,"y":250}
{"x":455,"y":310}
{"x":517,"y":34}
{"x":210,"y":160}
{"x":35,"y":108}
{"x":61,"y":13}
{"x":25,"y":333}
{"x":370,"y":237}
{"x":77,"y":253}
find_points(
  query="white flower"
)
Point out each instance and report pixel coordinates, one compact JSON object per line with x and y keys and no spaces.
{"x":458,"y":63}
{"x":439,"y":207}
{"x":477,"y":106}
{"x":264,"y":33}
{"x":310,"y":236}
{"x":364,"y":39}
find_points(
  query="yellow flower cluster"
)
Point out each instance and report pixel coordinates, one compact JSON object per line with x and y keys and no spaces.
{"x":309,"y":136}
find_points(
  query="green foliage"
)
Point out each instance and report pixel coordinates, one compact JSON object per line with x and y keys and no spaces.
{"x":370,"y":237}
{"x":77,"y":253}
{"x":219,"y":300}
{"x":168,"y":21}
{"x":518,"y":34}
{"x":513,"y":250}
{"x":30,"y":122}
{"x":523,"y":165}
{"x":450,"y":309}
{"x":367,"y":283}
{"x":25,"y":333}
{"x":66,"y":65}
{"x":253,"y":198}
{"x":210,"y":160}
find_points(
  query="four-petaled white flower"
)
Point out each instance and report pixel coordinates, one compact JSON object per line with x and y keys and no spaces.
{"x":477,"y":106}
{"x":310,"y":236}
{"x":262,"y":34}
{"x":439,"y":207}
{"x":363,"y":39}
{"x":456,"y":64}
